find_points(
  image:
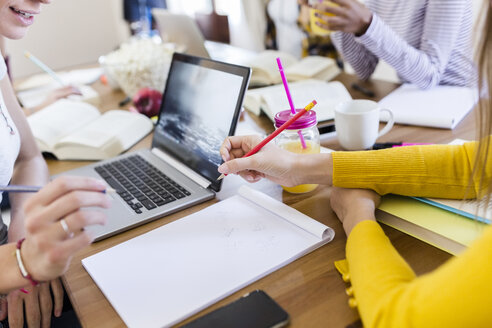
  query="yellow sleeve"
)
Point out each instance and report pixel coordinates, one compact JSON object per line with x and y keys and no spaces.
{"x":458,"y":294}
{"x":427,"y":171}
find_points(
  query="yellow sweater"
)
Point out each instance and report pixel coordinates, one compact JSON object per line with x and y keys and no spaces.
{"x":459,"y":293}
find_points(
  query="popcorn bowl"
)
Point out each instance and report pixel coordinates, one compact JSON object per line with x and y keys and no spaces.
{"x":139,"y":64}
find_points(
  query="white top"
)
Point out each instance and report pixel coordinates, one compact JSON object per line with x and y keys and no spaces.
{"x":428,"y":42}
{"x":9,"y":146}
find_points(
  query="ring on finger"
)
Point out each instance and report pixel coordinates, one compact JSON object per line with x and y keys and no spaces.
{"x":64,"y":225}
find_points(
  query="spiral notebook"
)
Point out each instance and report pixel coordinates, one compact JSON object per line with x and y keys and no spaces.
{"x":166,"y":275}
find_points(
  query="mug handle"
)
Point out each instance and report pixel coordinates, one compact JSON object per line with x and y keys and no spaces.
{"x":388,"y":125}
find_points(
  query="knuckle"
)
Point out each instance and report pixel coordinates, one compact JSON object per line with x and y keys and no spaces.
{"x":63,"y":183}
{"x":76,"y":199}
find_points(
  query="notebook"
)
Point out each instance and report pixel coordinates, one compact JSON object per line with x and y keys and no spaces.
{"x":182,"y":30}
{"x":200,"y":108}
{"x":166,"y":275}
{"x":440,"y":107}
{"x":443,"y":229}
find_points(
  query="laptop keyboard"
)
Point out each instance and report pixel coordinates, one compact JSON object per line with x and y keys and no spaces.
{"x":140,"y":184}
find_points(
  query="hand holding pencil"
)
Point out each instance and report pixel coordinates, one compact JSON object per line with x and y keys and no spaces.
{"x":55,"y":218}
{"x":237,"y":154}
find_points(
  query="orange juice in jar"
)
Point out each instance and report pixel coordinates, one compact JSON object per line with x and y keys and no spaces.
{"x":290,"y":139}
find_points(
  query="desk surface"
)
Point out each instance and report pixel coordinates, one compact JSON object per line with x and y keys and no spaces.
{"x":309,"y":289}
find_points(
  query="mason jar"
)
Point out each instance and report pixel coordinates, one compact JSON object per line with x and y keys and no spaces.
{"x":301,"y":137}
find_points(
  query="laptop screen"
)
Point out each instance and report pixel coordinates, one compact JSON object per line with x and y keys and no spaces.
{"x":200,"y":108}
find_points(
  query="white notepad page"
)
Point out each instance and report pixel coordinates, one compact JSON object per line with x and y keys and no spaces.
{"x":441,"y":106}
{"x":168,"y":274}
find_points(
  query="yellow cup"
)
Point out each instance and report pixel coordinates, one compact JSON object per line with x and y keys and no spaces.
{"x":315,"y":29}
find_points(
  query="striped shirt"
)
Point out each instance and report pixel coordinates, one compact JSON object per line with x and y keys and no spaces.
{"x":428,"y":42}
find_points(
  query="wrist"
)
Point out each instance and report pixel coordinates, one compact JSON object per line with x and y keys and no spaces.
{"x":315,"y":168}
{"x":357,"y":216}
{"x":366,"y":21}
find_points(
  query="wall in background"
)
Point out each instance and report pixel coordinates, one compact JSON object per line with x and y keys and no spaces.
{"x":68,"y":33}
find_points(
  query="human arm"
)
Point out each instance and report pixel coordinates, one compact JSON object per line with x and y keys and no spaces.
{"x":271,"y":162}
{"x":53,"y":96}
{"x":30,"y":167}
{"x":442,"y":171}
{"x":389,"y":295}
{"x":423,"y":66}
{"x":47,"y":250}
{"x":427,"y":171}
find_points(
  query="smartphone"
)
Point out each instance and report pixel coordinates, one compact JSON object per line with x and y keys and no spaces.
{"x":255,"y":309}
{"x":326,"y":131}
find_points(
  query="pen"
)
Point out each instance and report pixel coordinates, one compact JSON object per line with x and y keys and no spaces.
{"x":289,"y":98}
{"x":363,"y":90}
{"x":276,"y":132}
{"x":44,"y":67}
{"x":385,"y":145}
{"x":23,"y":188}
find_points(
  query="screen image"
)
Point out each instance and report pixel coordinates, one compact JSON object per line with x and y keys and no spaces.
{"x":197,"y":114}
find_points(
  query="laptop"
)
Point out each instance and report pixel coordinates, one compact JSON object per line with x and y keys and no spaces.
{"x":182,"y":30}
{"x":200,"y":108}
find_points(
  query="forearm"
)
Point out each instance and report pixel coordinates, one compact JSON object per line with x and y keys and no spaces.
{"x":10,"y":276}
{"x":423,"y":66}
{"x":314,"y":168}
{"x":357,"y":55}
{"x":427,"y":171}
{"x":389,"y":295}
{"x":32,"y":171}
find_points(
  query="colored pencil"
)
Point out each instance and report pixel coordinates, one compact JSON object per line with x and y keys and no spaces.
{"x":44,"y":67}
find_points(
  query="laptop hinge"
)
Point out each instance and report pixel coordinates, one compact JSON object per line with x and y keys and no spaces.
{"x":182,"y":168}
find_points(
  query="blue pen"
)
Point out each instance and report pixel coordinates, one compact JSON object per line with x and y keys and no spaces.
{"x":22,"y":188}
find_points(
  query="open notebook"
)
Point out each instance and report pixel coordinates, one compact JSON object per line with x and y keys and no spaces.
{"x":440,"y":107}
{"x":168,"y":274}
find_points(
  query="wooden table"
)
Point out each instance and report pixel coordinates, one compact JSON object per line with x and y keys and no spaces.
{"x":309,"y":289}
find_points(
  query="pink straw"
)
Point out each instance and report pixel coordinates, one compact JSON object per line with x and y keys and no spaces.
{"x":289,"y":98}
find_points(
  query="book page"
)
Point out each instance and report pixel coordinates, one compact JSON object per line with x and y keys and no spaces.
{"x":115,"y":131}
{"x":327,"y":94}
{"x":34,"y":97}
{"x":266,"y":64}
{"x":440,"y":107}
{"x":182,"y":267}
{"x":60,"y":119}
{"x":309,"y":67}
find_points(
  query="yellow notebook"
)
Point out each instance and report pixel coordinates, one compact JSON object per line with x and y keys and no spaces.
{"x":441,"y":228}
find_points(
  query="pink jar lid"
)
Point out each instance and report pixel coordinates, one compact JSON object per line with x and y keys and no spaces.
{"x":305,"y":121}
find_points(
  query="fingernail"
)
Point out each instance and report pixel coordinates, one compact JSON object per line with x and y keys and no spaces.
{"x":57,"y":313}
{"x":250,"y":178}
{"x":222,"y":169}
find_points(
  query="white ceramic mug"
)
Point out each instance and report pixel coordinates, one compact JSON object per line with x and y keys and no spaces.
{"x":357,"y":123}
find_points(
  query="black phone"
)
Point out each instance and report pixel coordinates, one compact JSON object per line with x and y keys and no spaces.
{"x":326,"y":128}
{"x":326,"y":131}
{"x":255,"y":309}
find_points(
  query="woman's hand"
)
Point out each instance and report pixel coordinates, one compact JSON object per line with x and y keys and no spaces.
{"x":48,"y":246}
{"x":351,"y":16}
{"x":353,"y":206}
{"x":271,"y":162}
{"x":55,"y":95}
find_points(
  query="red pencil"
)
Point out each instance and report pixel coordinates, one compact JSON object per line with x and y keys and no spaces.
{"x":277,"y":132}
